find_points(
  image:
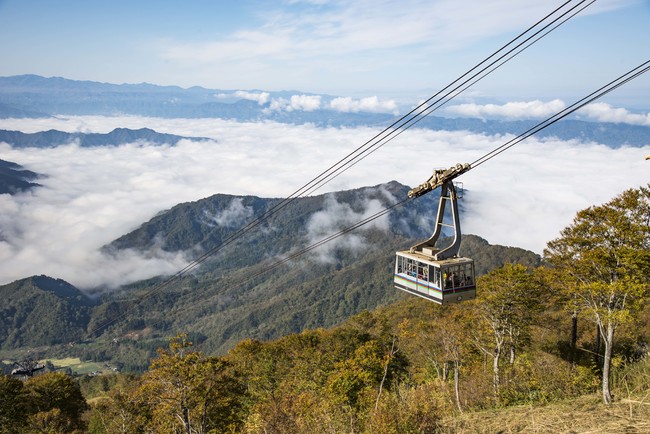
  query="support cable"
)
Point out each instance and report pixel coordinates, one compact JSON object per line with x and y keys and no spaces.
{"x":393,"y":130}
{"x":609,"y":87}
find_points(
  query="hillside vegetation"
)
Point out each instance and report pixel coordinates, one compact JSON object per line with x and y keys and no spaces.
{"x":219,"y":303}
{"x":541,"y":349}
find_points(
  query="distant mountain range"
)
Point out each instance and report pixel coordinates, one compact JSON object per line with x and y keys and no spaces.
{"x":32,"y":96}
{"x":14,"y":179}
{"x":54,"y":138}
{"x":227,"y":299}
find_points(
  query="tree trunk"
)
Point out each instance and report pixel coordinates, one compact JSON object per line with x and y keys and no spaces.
{"x":186,"y":420}
{"x":496,"y":379}
{"x":383,"y":378}
{"x":607,"y":362}
{"x":574,"y":336}
{"x":457,"y":385}
{"x":597,"y":350}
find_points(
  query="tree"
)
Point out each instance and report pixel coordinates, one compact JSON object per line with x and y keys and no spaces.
{"x":605,"y":255}
{"x":441,"y":341}
{"x":13,"y":409}
{"x":507,"y":303}
{"x":185,"y":391}
{"x":56,"y":402}
{"x":457,"y":349}
{"x":121,"y":411}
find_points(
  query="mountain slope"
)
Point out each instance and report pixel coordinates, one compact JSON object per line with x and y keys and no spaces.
{"x":243,"y":290}
{"x":14,"y":179}
{"x":228,"y":299}
{"x":40,"y":310}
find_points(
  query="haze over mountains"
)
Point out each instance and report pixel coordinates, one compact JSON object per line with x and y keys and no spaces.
{"x":31,"y":96}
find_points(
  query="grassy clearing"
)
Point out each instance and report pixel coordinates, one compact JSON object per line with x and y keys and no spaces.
{"x":629,"y":414}
{"x":64,"y":363}
{"x":583,"y":415}
{"x":76,"y":365}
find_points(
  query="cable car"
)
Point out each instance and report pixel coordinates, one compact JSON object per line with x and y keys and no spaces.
{"x":439,"y":275}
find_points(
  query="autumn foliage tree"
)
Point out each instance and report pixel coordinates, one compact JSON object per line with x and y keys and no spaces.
{"x":13,"y":407}
{"x":604,"y":255}
{"x":505,"y":308}
{"x":50,"y":402}
{"x":185,"y":391}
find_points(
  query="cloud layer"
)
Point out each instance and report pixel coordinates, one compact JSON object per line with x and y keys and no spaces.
{"x":362,"y":40}
{"x":511,"y":110}
{"x":599,"y":111}
{"x":336,"y":216}
{"x":308,"y":103}
{"x":91,"y":196}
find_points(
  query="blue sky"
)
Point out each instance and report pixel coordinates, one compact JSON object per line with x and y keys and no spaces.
{"x":399,"y":49}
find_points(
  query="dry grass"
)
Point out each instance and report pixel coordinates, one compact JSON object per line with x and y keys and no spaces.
{"x":64,"y":363}
{"x":585,"y":415}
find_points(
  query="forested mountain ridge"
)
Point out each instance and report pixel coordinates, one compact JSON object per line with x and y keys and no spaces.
{"x":316,"y":290}
{"x":14,"y":178}
{"x":118,"y":136}
{"x":532,"y":337}
{"x":221,"y":305}
{"x":34,"y":96}
{"x":40,"y":310}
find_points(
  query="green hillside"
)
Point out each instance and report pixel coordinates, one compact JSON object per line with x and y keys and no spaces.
{"x":42,"y":311}
{"x":227,"y":299}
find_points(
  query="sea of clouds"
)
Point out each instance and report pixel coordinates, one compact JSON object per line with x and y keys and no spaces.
{"x":91,"y":196}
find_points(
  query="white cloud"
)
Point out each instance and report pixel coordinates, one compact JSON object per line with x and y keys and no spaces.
{"x":338,"y":40}
{"x":344,"y":28}
{"x":260,"y":97}
{"x":511,"y":110}
{"x":604,"y":112}
{"x":336,"y":216}
{"x":235,"y":216}
{"x":369,"y":104}
{"x":523,"y":197}
{"x":307,"y":103}
{"x":599,"y":111}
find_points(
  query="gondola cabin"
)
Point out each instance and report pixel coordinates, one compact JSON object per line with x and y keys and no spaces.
{"x":438,"y":274}
{"x":442,"y":281}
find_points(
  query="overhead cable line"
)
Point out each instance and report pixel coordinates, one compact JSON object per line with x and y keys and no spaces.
{"x":463,"y":87}
{"x":425,"y":108}
{"x":604,"y":90}
{"x":447,"y":93}
{"x":422,"y":110}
